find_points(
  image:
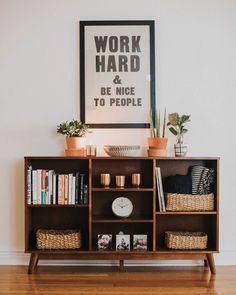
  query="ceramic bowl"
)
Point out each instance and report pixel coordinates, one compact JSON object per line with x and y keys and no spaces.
{"x":122,"y":150}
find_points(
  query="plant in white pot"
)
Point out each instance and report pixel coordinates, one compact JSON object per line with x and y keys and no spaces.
{"x":177,"y":126}
{"x":157,"y":141}
{"x":75,"y":132}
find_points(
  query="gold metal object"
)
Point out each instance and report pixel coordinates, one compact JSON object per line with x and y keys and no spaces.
{"x":105,"y":179}
{"x":136,"y":179}
{"x":120,"y":181}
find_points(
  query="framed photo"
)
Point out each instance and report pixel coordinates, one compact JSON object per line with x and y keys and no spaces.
{"x":104,"y":241}
{"x":140,"y":242}
{"x":117,"y":73}
{"x":122,"y":242}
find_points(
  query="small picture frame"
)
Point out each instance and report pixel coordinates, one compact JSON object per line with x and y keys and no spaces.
{"x":104,"y":241}
{"x":140,"y":242}
{"x":122,"y":242}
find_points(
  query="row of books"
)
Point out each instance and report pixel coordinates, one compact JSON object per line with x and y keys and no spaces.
{"x":160,"y":192}
{"x":46,"y":187}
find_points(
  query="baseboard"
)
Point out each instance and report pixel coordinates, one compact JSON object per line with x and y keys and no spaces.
{"x":20,"y":258}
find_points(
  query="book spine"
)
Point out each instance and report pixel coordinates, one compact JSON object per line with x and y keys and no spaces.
{"x":66,"y":188}
{"x":46,"y":189}
{"x":50,"y":187}
{"x":34,"y":187}
{"x":70,"y":189}
{"x":43,"y":188}
{"x":77,"y":188}
{"x":29,"y":185}
{"x":39,"y":185}
{"x":73,"y":191}
{"x":60,"y":179}
{"x":161,"y":190}
{"x":54,"y":181}
{"x":81,"y":188}
{"x":85,"y":194}
{"x":158,"y":191}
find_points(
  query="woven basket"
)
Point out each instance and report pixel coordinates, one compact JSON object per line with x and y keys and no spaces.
{"x":185,"y":240}
{"x":58,"y":239}
{"x":182,"y":202}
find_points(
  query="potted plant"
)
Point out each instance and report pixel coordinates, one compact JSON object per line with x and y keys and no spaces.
{"x":177,"y":127}
{"x":157,"y":141}
{"x":75,"y":132}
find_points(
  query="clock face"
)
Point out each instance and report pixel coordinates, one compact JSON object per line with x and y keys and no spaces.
{"x":122,"y":207}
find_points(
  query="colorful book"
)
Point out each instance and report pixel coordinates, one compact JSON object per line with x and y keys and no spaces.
{"x":34,"y":187}
{"x":43,"y":187}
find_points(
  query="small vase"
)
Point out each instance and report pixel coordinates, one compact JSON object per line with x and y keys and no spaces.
{"x":181,"y":149}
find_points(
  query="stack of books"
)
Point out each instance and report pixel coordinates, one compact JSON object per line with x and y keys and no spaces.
{"x":46,"y":187}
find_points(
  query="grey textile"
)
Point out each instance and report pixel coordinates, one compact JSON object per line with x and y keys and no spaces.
{"x":202,"y":179}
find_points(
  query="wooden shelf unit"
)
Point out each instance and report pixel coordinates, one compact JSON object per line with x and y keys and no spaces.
{"x":96,"y":217}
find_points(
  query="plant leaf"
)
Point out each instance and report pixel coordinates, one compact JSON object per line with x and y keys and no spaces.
{"x":173,"y":131}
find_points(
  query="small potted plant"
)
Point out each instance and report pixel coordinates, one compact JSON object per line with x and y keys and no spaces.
{"x":157,"y":141}
{"x":177,"y":127}
{"x":75,"y":132}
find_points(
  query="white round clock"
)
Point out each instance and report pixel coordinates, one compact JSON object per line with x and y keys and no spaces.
{"x":122,"y":207}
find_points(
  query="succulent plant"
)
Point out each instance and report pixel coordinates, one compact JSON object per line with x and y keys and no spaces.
{"x":73,"y":128}
{"x":155,"y":124}
{"x":177,"y":125}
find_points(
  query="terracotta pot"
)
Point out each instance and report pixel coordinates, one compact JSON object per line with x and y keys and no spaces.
{"x":75,"y":152}
{"x":157,"y":152}
{"x":75,"y":142}
{"x":157,"y":142}
{"x":180,"y":149}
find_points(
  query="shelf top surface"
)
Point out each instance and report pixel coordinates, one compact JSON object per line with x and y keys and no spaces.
{"x":119,"y":158}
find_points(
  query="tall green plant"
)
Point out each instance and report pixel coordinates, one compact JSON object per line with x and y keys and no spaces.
{"x":155,"y":124}
{"x":177,"y":125}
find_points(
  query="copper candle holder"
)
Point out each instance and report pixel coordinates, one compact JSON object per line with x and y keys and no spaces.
{"x":105,"y":179}
{"x":136,"y":179}
{"x":120,"y":181}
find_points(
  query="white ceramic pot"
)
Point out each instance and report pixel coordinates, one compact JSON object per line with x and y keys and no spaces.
{"x":180,"y":149}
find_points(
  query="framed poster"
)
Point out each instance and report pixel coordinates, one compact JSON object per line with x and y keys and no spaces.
{"x":117,"y":73}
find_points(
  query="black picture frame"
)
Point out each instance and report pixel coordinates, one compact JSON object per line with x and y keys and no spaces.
{"x":89,"y":70}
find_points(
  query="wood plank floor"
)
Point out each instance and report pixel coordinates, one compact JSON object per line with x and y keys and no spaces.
{"x":109,"y":281}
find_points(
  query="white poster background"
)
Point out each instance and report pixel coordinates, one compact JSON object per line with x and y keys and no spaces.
{"x":140,"y":80}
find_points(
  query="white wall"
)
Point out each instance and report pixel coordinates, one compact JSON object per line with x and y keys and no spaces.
{"x":39,"y":88}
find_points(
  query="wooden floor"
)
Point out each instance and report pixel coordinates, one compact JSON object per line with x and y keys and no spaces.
{"x":109,"y":281}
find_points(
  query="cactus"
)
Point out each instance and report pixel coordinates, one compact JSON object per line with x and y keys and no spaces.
{"x":155,"y":124}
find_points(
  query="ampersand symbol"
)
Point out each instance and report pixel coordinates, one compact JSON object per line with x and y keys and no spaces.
{"x":117,"y":80}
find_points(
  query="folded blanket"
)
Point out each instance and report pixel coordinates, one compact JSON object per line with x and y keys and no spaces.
{"x":180,"y":184}
{"x":202,"y":179}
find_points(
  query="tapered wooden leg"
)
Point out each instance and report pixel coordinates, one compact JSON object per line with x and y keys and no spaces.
{"x":211,"y":263}
{"x":206,"y":263}
{"x":33,"y":262}
{"x":121,"y":268}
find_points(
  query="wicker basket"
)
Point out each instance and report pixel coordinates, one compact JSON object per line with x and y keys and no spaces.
{"x":185,"y":240}
{"x":182,"y":202}
{"x":58,"y":239}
